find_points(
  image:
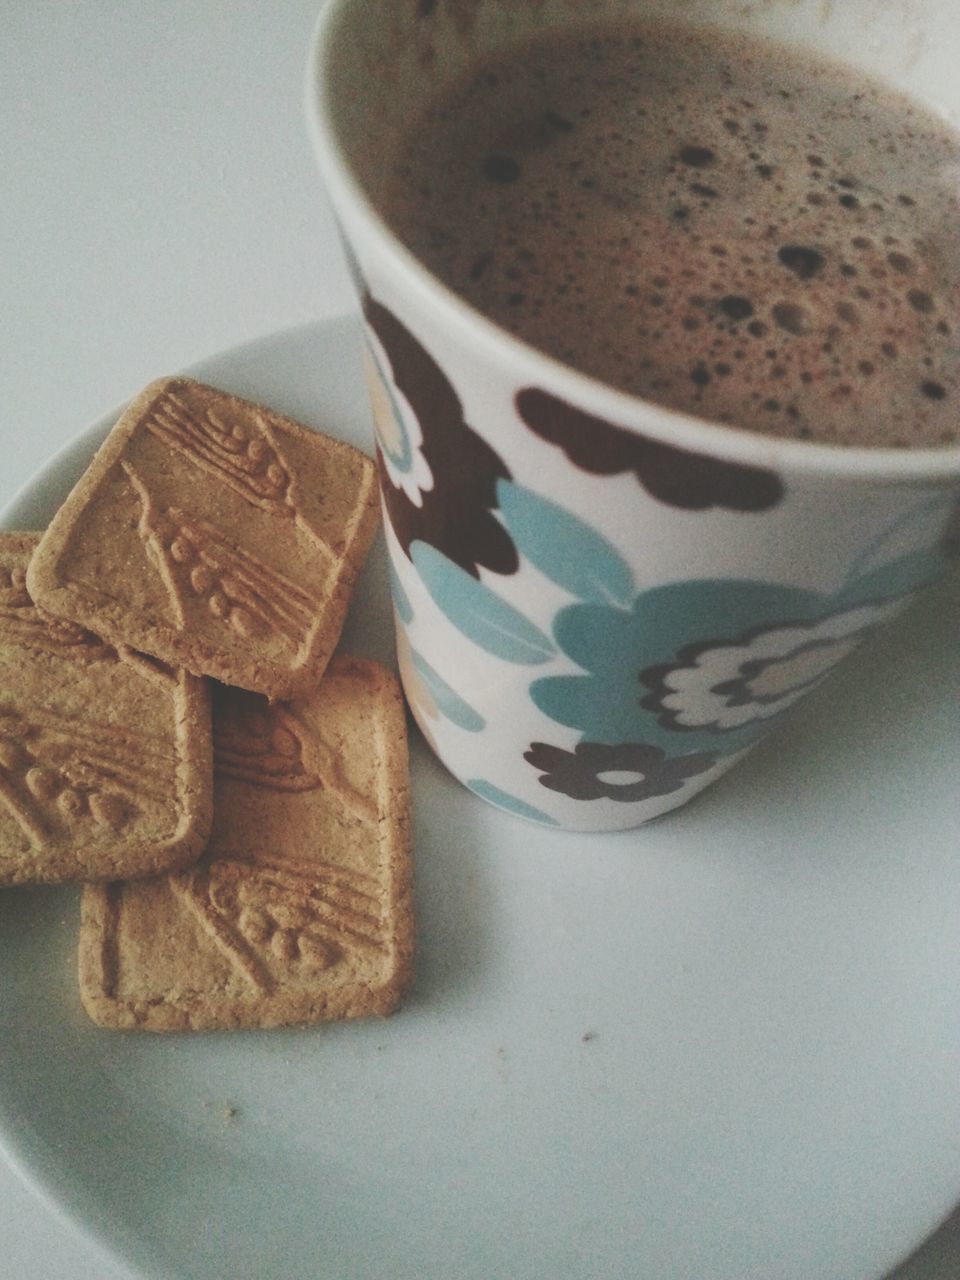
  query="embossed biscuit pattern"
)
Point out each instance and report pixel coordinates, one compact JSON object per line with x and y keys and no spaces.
{"x":301,"y":908}
{"x":215,"y":534}
{"x":104,"y":755}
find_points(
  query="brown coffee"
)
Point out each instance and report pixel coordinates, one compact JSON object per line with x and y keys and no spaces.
{"x":752,"y":235}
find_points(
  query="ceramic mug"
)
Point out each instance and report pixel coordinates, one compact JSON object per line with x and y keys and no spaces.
{"x":602,"y":604}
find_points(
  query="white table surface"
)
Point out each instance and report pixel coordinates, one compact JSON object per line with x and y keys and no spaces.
{"x":159,"y":204}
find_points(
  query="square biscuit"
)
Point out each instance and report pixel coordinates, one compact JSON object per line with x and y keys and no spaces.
{"x":300,"y":910}
{"x":105,"y":756}
{"x":214,"y":534}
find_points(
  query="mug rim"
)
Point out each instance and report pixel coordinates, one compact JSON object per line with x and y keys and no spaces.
{"x":685,"y":431}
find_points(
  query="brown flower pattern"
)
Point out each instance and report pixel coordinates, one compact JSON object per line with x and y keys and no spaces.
{"x":628,"y":772}
{"x":678,"y":477}
{"x":451,"y":506}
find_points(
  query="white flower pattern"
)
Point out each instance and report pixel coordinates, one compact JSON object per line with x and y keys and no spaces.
{"x":726,"y":686}
{"x":397,"y":426}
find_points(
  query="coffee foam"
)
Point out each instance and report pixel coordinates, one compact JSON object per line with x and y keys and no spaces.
{"x":754,"y":237}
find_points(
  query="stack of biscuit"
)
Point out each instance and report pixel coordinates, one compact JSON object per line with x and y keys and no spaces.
{"x":175,"y":732}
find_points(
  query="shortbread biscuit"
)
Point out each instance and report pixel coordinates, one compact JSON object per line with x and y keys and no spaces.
{"x":214,"y":534}
{"x":105,"y":756}
{"x":300,"y":910}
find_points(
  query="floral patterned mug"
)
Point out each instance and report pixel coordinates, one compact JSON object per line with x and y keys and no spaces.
{"x":601,"y":605}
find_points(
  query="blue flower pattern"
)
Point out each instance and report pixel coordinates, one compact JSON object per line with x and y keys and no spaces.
{"x":671,"y":681}
{"x":687,"y":672}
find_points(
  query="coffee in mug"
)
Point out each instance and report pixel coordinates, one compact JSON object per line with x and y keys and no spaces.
{"x":756,"y":236}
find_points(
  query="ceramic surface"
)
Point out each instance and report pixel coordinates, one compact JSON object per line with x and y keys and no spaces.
{"x":594,"y":625}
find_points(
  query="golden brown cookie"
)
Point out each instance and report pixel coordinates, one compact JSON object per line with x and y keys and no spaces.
{"x":214,"y":534}
{"x":300,"y":910}
{"x":105,"y":756}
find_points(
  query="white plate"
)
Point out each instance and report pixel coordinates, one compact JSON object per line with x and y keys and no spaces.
{"x":723,"y":1046}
